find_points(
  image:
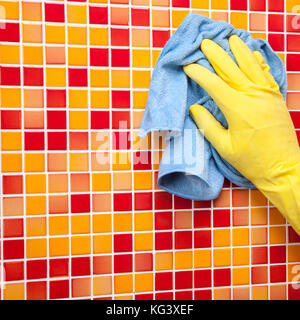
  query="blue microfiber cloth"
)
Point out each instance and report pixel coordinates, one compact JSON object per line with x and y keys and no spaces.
{"x":182,"y":170}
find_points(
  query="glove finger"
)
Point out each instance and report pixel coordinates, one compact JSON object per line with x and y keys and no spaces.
{"x":224,"y":66}
{"x":247,"y":61}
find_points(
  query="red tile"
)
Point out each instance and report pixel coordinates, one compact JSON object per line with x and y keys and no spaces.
{"x":144,"y":296}
{"x":122,"y":242}
{"x":78,"y":77}
{"x":56,"y":120}
{"x":80,"y":203}
{"x":182,"y":203}
{"x":202,"y":219}
{"x":122,"y":202}
{"x":293,"y":42}
{"x":14,"y":270}
{"x":79,"y":140}
{"x":183,"y":239}
{"x":222,"y":277}
{"x":120,"y":99}
{"x":142,"y":161}
{"x":10,"y":119}
{"x":98,"y":15}
{"x":293,"y":236}
{"x":12,"y":184}
{"x":36,"y":269}
{"x":140,"y":17}
{"x":276,"y":5}
{"x":56,"y":98}
{"x":10,"y":76}
{"x":181,"y":3}
{"x":34,"y":141}
{"x":163,"y":201}
{"x":33,"y":76}
{"x":277,"y":254}
{"x":143,"y":262}
{"x":54,"y":12}
{"x":163,"y":241}
{"x":36,"y":290}
{"x":293,"y":292}
{"x":202,"y":204}
{"x":119,"y":37}
{"x":259,"y":275}
{"x":164,"y":296}
{"x":102,"y":264}
{"x":120,"y":119}
{"x":163,"y":281}
{"x":278,"y":273}
{"x":293,"y":23}
{"x":183,"y":279}
{"x":203,"y":295}
{"x":257,"y":5}
{"x":226,"y":183}
{"x":238,"y":5}
{"x":143,"y":201}
{"x":160,"y":38}
{"x":221,"y":218}
{"x":202,"y":239}
{"x":120,"y":58}
{"x":10,"y":33}
{"x":59,"y":267}
{"x":183,"y":295}
{"x":276,"y":41}
{"x":163,"y":220}
{"x":99,"y":57}
{"x":202,"y":278}
{"x":99,"y":119}
{"x":13,"y":228}
{"x":276,"y":22}
{"x":13,"y":249}
{"x":121,"y":140}
{"x":81,"y":266}
{"x":122,"y":263}
{"x":59,"y":289}
{"x":259,"y":255}
{"x":57,"y":140}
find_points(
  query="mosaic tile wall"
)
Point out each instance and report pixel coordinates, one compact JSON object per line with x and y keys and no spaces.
{"x":74,"y":79}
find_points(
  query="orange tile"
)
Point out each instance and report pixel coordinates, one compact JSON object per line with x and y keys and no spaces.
{"x":122,"y":180}
{"x":55,"y":55}
{"x":240,"y":276}
{"x":240,"y":236}
{"x":59,"y":246}
{"x":32,"y":33}
{"x":31,"y":11}
{"x":223,"y":199}
{"x":102,"y":223}
{"x":241,"y":293}
{"x":140,"y":37}
{"x":36,"y":227}
{"x":277,"y":235}
{"x":222,"y":257}
{"x":102,"y":285}
{"x":294,"y":253}
{"x":33,"y":98}
{"x":57,"y":162}
{"x":259,"y":236}
{"x":221,"y":237}
{"x":163,"y":260}
{"x":58,"y":225}
{"x":278,"y":292}
{"x":257,"y":21}
{"x":143,"y":221}
{"x":122,"y":222}
{"x":80,"y":245}
{"x":260,"y":293}
{"x":178,"y":16}
{"x":183,"y":260}
{"x":81,"y":287}
{"x":14,"y":291}
{"x":240,"y":256}
{"x":123,"y":283}
{"x":240,"y":198}
{"x":119,"y":16}
{"x":219,"y":16}
{"x":293,"y":81}
{"x":222,"y":294}
{"x":101,"y":202}
{"x":36,"y":248}
{"x":102,"y":243}
{"x":12,"y":206}
{"x":276,"y":217}
{"x":183,"y":220}
{"x":259,"y":216}
{"x":160,"y":18}
{"x":35,"y":205}
{"x":257,"y":198}
{"x":239,"y":20}
{"x":10,"y":98}
{"x":143,"y":282}
{"x":80,"y":224}
{"x":218,"y":4}
{"x":101,"y":181}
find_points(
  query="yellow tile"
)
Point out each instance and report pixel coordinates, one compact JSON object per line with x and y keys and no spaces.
{"x":240,"y":276}
{"x":100,"y":78}
{"x":36,"y":227}
{"x":11,"y":162}
{"x":123,"y":283}
{"x":34,"y":33}
{"x":143,"y":241}
{"x":101,"y":181}
{"x":59,"y":246}
{"x":292,"y":6}
{"x":140,"y":37}
{"x":240,"y":236}
{"x":102,"y":243}
{"x":33,"y":55}
{"x":36,"y":183}
{"x":141,"y":58}
{"x":9,"y":53}
{"x":10,"y":97}
{"x":35,"y":205}
{"x":200,"y":4}
{"x":11,"y":9}
{"x":11,"y":141}
{"x":78,"y":119}
{"x":218,"y":4}
{"x":76,"y":14}
{"x":77,"y":56}
{"x":99,"y":98}
{"x":36,"y":248}
{"x":122,"y":222}
{"x":120,"y":78}
{"x":14,"y":291}
{"x":79,"y":162}
{"x":221,"y":237}
{"x":98,"y":36}
{"x":101,"y":223}
{"x":31,"y":11}
{"x":78,"y":98}
{"x":259,"y":35}
{"x":240,"y":256}
{"x":222,"y":257}
{"x":163,"y":261}
{"x":102,"y":285}
{"x":56,"y":77}
{"x":202,"y":258}
{"x":143,"y":180}
{"x":143,"y":221}
{"x":155,"y":56}
{"x":121,"y":161}
{"x":77,"y":35}
{"x":141,"y":78}
{"x":58,"y":225}
{"x":239,"y":20}
{"x":55,"y":34}
{"x":80,"y":224}
{"x":143,"y":282}
{"x":34,"y":162}
{"x":183,"y":260}
{"x":277,"y":235}
{"x":178,"y":16}
{"x":140,"y":99}
{"x":80,"y":245}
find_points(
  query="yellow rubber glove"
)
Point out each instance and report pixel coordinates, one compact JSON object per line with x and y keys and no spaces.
{"x":260,"y":141}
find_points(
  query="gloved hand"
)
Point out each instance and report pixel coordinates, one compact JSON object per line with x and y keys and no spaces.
{"x":260,"y":141}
